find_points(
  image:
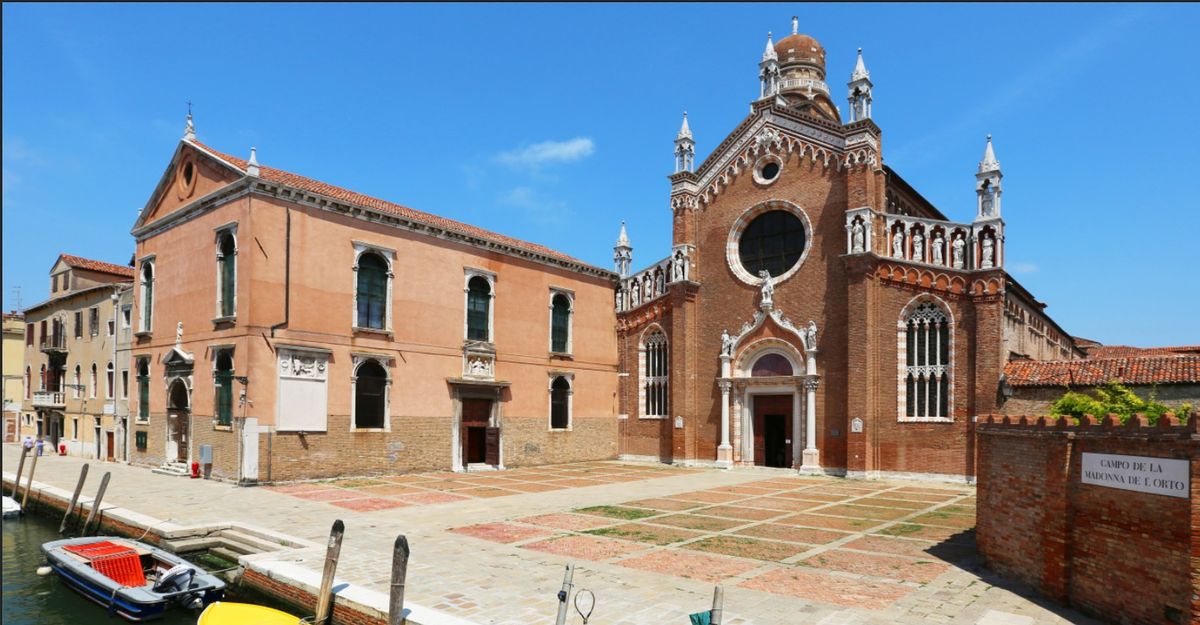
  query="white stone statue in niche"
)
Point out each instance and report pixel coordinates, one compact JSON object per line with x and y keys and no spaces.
{"x":898,"y":244}
{"x":659,"y":286}
{"x":857,"y":236}
{"x":479,"y":367}
{"x":726,"y":343}
{"x":957,"y":252}
{"x":936,"y":245}
{"x":918,"y":247}
{"x":649,"y":288}
{"x":989,"y":252}
{"x":635,"y":293}
{"x":810,"y":336}
{"x":768,"y":289}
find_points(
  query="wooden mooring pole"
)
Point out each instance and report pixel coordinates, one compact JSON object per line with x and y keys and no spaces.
{"x":20,"y":469}
{"x":400,"y":554}
{"x":564,"y":595}
{"x":718,"y":605}
{"x":96,"y":504}
{"x":325,"y":594}
{"x":29,"y":481}
{"x":74,"y":498}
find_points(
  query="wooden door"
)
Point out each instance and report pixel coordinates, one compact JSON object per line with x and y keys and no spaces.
{"x":492,"y":456}
{"x":111,"y":446}
{"x":179,"y":423}
{"x":773,"y":430}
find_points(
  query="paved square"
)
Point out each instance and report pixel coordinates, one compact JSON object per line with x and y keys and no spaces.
{"x":649,"y":540}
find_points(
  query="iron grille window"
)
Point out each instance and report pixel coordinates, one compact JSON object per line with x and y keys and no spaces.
{"x":656,"y":379}
{"x":927,"y":362}
{"x":369,"y":394}
{"x":479,"y":296}
{"x":560,"y":320}
{"x":372,"y":291}
{"x":559,"y":414}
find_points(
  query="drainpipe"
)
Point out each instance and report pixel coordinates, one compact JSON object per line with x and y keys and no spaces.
{"x":116,"y":298}
{"x":287,"y":275}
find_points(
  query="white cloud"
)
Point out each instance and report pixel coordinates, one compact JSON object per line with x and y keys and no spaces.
{"x":537,"y":207}
{"x":547,"y":152}
{"x":1023,"y":267}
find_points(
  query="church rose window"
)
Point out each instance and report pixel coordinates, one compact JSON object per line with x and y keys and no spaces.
{"x":774,"y":241}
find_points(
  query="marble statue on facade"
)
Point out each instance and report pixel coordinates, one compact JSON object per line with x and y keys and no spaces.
{"x":936,"y":245}
{"x":635,"y":294}
{"x":179,"y":334}
{"x":989,"y":252}
{"x":768,"y":289}
{"x":918,"y":247}
{"x":858,"y":244}
{"x":810,"y":336}
{"x":957,"y":251}
{"x":726,"y":343}
{"x":898,"y":244}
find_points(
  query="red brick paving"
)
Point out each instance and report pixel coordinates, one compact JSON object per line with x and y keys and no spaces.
{"x":585,"y":547}
{"x":894,"y":567}
{"x":369,"y":504}
{"x":567,"y":521}
{"x":824,"y":588}
{"x":703,"y":567}
{"x":502,"y":532}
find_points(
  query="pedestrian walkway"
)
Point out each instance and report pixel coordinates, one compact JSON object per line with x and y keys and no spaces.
{"x":649,"y":541}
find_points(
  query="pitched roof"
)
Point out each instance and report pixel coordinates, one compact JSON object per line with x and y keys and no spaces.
{"x":1096,"y":352}
{"x":351,"y":197}
{"x":97,"y":265}
{"x":1174,"y":369}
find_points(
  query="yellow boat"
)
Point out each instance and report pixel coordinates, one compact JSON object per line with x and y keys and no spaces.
{"x":227,"y":613}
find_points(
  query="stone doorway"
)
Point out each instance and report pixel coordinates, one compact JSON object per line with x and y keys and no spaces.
{"x":178,"y":423}
{"x":773,"y":430}
{"x":480,"y":442}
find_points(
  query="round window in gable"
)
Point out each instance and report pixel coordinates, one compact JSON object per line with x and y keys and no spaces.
{"x":188,"y":171}
{"x":187,"y":177}
{"x":767,"y":169}
{"x":772,"y":242}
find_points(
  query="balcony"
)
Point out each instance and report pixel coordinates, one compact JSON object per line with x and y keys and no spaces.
{"x":49,"y":399}
{"x":56,"y":343}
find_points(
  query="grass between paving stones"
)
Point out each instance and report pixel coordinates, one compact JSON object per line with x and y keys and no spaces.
{"x":644,"y":533}
{"x":748,"y":548}
{"x":957,"y":509}
{"x":617,"y":512}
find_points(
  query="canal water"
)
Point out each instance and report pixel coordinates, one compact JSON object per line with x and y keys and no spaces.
{"x":30,"y":599}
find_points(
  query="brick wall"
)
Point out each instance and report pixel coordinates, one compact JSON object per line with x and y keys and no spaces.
{"x":1127,"y":556}
{"x":1037,"y":399}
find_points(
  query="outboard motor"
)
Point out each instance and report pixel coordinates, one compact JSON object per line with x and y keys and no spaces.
{"x":178,"y":577}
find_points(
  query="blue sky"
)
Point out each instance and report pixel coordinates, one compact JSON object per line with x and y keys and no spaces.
{"x":554,"y":122}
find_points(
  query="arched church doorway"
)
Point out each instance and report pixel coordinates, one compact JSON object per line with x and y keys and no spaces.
{"x":178,"y":422}
{"x":773,"y":430}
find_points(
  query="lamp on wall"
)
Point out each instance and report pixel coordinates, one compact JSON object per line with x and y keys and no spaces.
{"x":1006,"y":389}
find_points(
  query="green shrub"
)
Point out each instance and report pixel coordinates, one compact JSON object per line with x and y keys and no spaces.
{"x":1117,"y":399}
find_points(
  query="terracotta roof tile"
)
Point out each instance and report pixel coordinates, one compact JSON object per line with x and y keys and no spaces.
{"x":97,"y":265}
{"x":1150,"y":370}
{"x":351,"y":197}
{"x":1096,"y":352}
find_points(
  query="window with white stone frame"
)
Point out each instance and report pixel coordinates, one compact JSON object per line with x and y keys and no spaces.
{"x":654,"y":369}
{"x":146,"y":319}
{"x":373,"y":276}
{"x":926,"y":358}
{"x":227,"y":272}
{"x":561,"y":313}
{"x":370,"y":386}
{"x":480,"y":291}
{"x":560,"y":401}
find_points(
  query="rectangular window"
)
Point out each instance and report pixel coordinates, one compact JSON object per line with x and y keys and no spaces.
{"x":108,"y":389}
{"x":94,"y":321}
{"x":79,"y":324}
{"x":54,"y":284}
{"x":75,"y":428}
{"x":224,"y":382}
{"x":144,"y":396}
{"x":124,"y":384}
{"x":139,"y":439}
{"x":112,"y":326}
{"x":126,"y":316}
{"x":29,"y":334}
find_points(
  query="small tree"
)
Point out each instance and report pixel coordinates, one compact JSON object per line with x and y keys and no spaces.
{"x":1115,"y":398}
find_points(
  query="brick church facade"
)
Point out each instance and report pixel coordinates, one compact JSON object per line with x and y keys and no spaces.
{"x":814,"y":312}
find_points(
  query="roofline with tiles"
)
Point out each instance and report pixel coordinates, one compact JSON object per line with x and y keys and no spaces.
{"x":277,"y":190}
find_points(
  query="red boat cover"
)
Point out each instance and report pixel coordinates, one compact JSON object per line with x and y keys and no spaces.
{"x":117,"y":562}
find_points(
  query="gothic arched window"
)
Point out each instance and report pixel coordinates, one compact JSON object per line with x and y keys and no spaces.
{"x":926,"y":368}
{"x":655,"y":377}
{"x":370,"y":395}
{"x":372,"y":291}
{"x":143,"y":380}
{"x":110,"y":374}
{"x":479,"y":301}
{"x":560,"y":324}
{"x":560,"y":414}
{"x":147,"y":296}
{"x":227,"y":274}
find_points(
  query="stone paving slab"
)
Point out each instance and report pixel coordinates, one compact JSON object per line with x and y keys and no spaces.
{"x":873,"y":571}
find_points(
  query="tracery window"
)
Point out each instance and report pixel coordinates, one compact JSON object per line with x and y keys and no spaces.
{"x":927,"y":362}
{"x":655,"y":378}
